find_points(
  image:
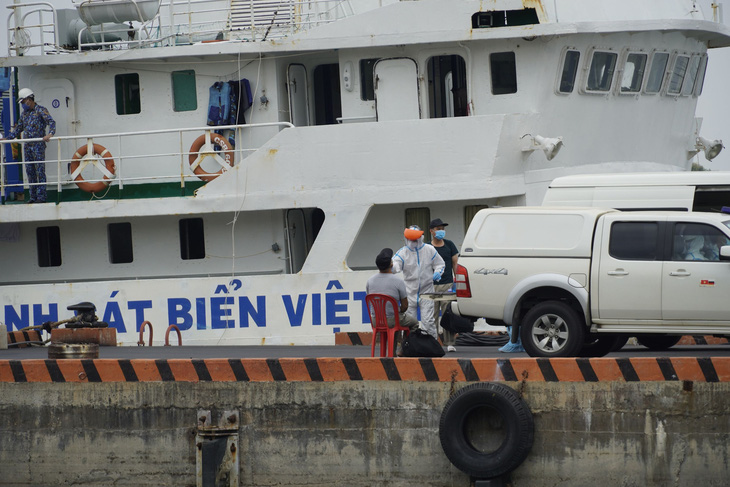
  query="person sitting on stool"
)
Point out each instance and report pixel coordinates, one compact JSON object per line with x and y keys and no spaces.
{"x":384,"y":282}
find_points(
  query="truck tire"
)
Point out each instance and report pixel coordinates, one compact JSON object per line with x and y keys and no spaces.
{"x":552,"y":329}
{"x":486,"y":430}
{"x":600,"y":345}
{"x":620,"y":343}
{"x":658,"y":343}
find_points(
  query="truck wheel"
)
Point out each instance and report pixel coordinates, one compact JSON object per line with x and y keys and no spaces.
{"x":658,"y":343}
{"x":600,"y":345}
{"x":620,"y":343}
{"x":552,"y":329}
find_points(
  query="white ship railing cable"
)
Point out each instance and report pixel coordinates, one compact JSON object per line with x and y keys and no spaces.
{"x":69,"y":145}
{"x":20,"y":36}
{"x":175,"y":22}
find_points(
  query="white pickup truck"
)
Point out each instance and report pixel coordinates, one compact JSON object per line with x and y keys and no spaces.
{"x":573,"y":281}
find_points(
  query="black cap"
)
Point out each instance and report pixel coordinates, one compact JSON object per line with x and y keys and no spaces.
{"x":437,"y":223}
{"x":384,"y":259}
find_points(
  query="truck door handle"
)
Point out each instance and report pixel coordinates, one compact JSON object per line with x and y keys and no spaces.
{"x":680,"y":273}
{"x":618,"y":272}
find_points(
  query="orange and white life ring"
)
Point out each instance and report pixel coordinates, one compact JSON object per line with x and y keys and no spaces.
{"x":203,"y":147}
{"x":103,"y":153}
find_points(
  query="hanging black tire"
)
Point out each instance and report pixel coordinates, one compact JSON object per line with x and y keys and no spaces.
{"x":486,"y":430}
{"x":658,"y":343}
{"x":552,"y":329}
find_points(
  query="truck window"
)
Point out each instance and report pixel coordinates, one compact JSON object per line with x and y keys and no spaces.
{"x":634,"y":241}
{"x":696,"y":241}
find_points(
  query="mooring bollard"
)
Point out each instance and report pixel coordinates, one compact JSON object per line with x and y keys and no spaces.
{"x":167,"y":335}
{"x":3,"y":337}
{"x":141,"y":333}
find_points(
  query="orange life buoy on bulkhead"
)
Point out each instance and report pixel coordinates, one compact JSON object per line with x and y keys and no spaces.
{"x":203,"y":147}
{"x":103,"y":153}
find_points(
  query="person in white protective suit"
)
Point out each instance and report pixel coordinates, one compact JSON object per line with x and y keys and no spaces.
{"x":693,"y":247}
{"x":421,"y":265}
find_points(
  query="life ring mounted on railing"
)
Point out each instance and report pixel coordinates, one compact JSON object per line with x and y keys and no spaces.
{"x":90,"y":154}
{"x":203,"y":147}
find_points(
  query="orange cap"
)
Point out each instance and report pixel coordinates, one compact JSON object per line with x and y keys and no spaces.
{"x":412,"y":234}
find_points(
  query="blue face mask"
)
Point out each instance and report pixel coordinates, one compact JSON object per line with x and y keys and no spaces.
{"x":440,"y":234}
{"x":26,"y":107}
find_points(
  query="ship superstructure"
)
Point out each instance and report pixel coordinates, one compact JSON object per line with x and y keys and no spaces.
{"x":256,"y":218}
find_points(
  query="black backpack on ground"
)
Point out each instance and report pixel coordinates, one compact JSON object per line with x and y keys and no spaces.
{"x":419,"y":343}
{"x":455,"y":323}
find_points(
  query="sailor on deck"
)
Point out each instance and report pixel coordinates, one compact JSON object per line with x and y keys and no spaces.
{"x":32,"y":123}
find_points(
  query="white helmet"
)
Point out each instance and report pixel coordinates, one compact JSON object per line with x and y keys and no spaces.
{"x":24,"y":93}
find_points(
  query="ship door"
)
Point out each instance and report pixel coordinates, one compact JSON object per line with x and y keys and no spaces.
{"x":327,"y":99}
{"x":446,"y":82}
{"x":298,"y":95}
{"x":396,"y":89}
{"x":296,"y":229}
{"x":57,"y":95}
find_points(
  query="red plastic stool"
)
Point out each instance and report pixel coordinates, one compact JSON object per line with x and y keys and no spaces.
{"x":377,"y":305}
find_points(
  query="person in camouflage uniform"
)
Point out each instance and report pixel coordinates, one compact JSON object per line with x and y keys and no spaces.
{"x":32,"y":123}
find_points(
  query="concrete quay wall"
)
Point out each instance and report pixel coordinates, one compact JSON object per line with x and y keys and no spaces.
{"x":359,"y":422}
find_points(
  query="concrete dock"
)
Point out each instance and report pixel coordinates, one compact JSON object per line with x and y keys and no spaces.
{"x":354,"y":420}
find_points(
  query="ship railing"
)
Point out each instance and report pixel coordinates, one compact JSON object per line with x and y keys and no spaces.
{"x":265,"y":19}
{"x":250,"y":20}
{"x":103,"y":30}
{"x":133,"y":163}
{"x":33,"y":27}
{"x":108,"y":38}
{"x":30,"y":28}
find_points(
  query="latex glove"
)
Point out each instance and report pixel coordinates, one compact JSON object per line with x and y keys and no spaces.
{"x":436,"y":275}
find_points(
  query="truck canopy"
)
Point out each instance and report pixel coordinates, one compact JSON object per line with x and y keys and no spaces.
{"x":532,"y":231}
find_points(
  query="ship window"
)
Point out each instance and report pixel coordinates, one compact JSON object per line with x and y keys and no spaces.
{"x":656,"y":72}
{"x":120,"y":243}
{"x":420,"y":217}
{"x":570,"y":69}
{"x":691,"y":78}
{"x":504,"y":73}
{"x":129,"y":100}
{"x":601,"y":71}
{"x":699,"y":84}
{"x":447,"y":86}
{"x":327,"y":102}
{"x":470,"y":212}
{"x":678,"y":74}
{"x":184,"y":93}
{"x":367,"y":88}
{"x":192,"y":239}
{"x":633,"y":74}
{"x":48,"y":240}
{"x":504,"y":18}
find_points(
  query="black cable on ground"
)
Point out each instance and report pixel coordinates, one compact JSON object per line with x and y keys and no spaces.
{"x":481,"y":339}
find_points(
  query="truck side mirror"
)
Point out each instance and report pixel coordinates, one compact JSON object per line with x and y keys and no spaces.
{"x":725,"y":252}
